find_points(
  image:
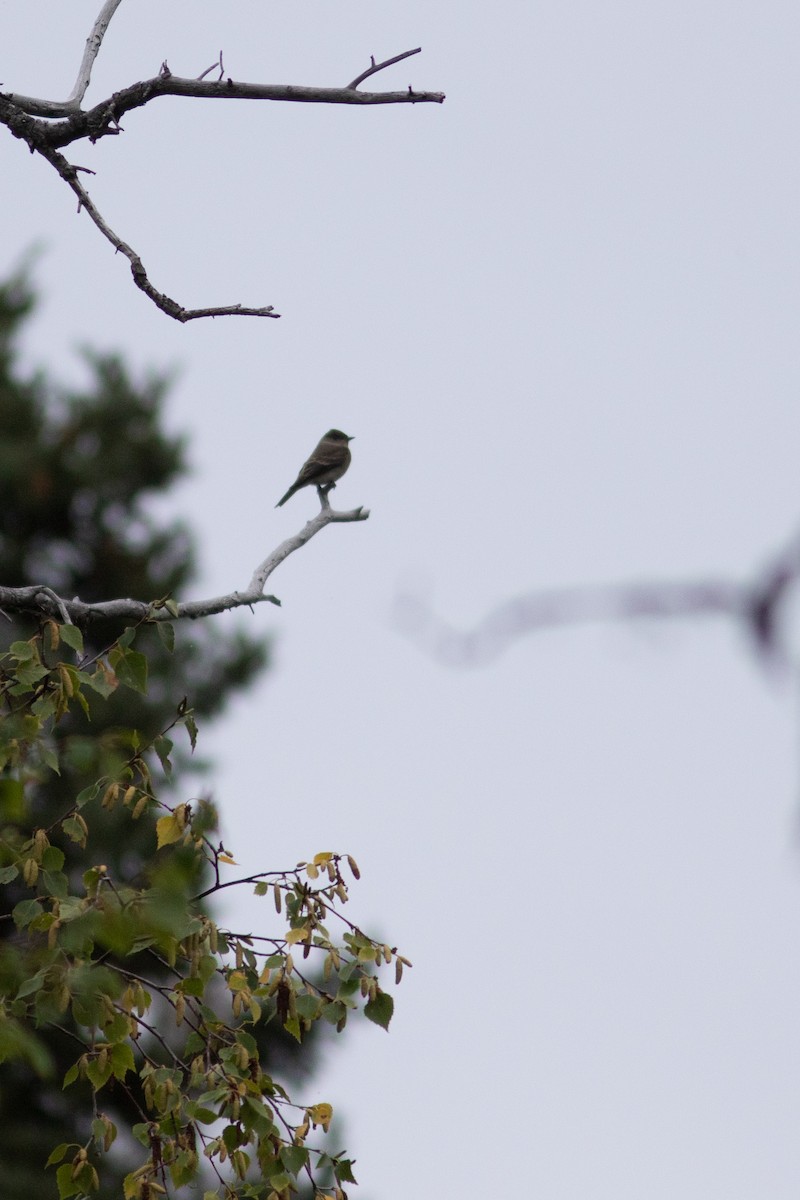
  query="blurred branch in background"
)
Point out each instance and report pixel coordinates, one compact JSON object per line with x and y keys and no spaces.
{"x":755,"y":604}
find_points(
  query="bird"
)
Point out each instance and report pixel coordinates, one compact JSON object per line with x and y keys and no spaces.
{"x":327,"y":463}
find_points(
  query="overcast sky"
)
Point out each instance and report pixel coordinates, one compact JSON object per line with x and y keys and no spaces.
{"x":559,"y":313}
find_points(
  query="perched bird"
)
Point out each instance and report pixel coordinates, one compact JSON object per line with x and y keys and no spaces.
{"x":329,"y":461}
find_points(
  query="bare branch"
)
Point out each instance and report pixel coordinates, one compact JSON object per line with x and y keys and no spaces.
{"x":23,"y":117}
{"x":42,"y":600}
{"x":755,"y":605}
{"x":69,"y":174}
{"x":375,"y":67}
{"x":93,"y":123}
{"x":93,"y":44}
{"x":62,"y":108}
{"x":326,"y":516}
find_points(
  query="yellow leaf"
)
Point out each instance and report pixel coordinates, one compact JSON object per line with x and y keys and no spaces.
{"x":226,"y":858}
{"x":237,"y":981}
{"x":297,"y":935}
{"x":168,"y":830}
{"x":322,"y":860}
{"x":321,"y":1114}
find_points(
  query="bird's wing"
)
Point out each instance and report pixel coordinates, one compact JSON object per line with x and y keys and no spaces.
{"x":323,"y":458}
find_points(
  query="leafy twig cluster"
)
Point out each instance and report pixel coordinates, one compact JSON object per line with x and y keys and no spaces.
{"x":79,"y":961}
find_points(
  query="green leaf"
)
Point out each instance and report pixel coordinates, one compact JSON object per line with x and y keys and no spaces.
{"x":280,"y":1181}
{"x":116,"y":1029}
{"x":294,"y":1158}
{"x":53,"y":859}
{"x":33,"y":984}
{"x":343,"y":1170}
{"x":102,"y":680}
{"x":204,"y":1115}
{"x":163,"y":747}
{"x":8,"y":873}
{"x":141,"y":1132}
{"x":292,"y":1026}
{"x":57,"y":1154}
{"x":88,"y":793}
{"x":308,"y":1006}
{"x":12,"y":799}
{"x":74,"y":830}
{"x":191,"y":729}
{"x":73,"y":637}
{"x":231,"y":1137}
{"x":54,"y":883}
{"x":256,"y":1117}
{"x":130,"y":667}
{"x":184,"y":1169}
{"x":50,"y":758}
{"x":121,"y":1060}
{"x":166,"y":632}
{"x":22,"y":650}
{"x":29,"y":674}
{"x":380,"y":1009}
{"x":71,"y":1075}
{"x":25,"y":912}
{"x":333,"y":1011}
{"x":99,"y":1073}
{"x":67,"y":1186}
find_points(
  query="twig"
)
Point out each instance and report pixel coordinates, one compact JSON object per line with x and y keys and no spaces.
{"x":208,"y":70}
{"x":69,"y":174}
{"x":375,"y":67}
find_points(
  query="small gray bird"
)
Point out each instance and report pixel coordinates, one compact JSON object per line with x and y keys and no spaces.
{"x":330,"y":460}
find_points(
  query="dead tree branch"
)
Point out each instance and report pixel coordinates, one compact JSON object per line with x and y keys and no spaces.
{"x":61,"y":108}
{"x":69,"y":174}
{"x":389,"y":62}
{"x":755,"y":605}
{"x":43,"y":601}
{"x":37,"y":122}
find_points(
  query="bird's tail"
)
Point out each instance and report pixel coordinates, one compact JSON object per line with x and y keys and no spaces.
{"x":288,"y":495}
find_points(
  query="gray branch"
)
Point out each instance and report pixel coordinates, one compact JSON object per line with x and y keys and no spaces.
{"x":101,"y":120}
{"x":62,"y":108}
{"x":69,"y":174}
{"x":92,"y":49}
{"x":43,"y":601}
{"x":31,"y":120}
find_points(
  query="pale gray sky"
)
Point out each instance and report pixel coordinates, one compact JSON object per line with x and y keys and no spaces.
{"x":560,"y":315}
